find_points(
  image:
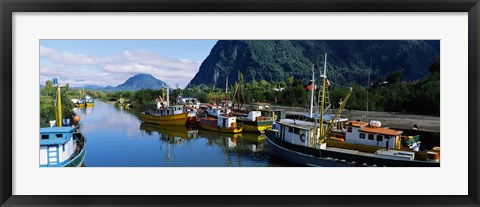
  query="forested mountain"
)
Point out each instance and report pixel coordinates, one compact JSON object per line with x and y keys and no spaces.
{"x":348,"y":61}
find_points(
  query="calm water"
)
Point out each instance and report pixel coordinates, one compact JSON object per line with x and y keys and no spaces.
{"x":117,"y":138}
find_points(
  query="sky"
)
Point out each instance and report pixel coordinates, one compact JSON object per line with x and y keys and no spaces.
{"x":112,"y":62}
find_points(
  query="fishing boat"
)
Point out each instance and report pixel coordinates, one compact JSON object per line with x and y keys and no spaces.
{"x":79,"y":103}
{"x":189,"y":101}
{"x":88,"y":101}
{"x":255,"y":122}
{"x":365,"y":144}
{"x":224,"y":123}
{"x":215,"y":111}
{"x":61,"y":146}
{"x":275,"y":114}
{"x":165,"y":114}
{"x":170,"y":115}
{"x":192,"y":105}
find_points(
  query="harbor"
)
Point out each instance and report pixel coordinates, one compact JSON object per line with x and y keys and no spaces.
{"x":313,"y":117}
{"x":117,"y":138}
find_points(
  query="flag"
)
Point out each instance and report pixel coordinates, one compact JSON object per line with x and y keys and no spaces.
{"x":328,"y":82}
{"x":55,"y":81}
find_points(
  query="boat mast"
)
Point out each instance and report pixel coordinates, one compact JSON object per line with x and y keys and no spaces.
{"x":368,"y":85}
{"x":312,"y":91}
{"x":59,"y":103}
{"x":163,"y":91}
{"x":226,"y":96}
{"x":238,"y":95}
{"x":342,"y":105}
{"x":168,"y":97}
{"x":323,"y":96}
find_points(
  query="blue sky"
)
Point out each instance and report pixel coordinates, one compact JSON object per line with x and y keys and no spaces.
{"x":111,"y":62}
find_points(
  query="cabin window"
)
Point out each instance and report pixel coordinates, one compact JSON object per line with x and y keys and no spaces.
{"x":370,"y":136}
{"x":58,"y":135}
{"x":349,"y":129}
{"x":380,"y":138}
{"x":362,"y":136}
{"x":45,"y":136}
{"x":290,"y":129}
{"x":296,"y":131}
{"x":63,"y":147}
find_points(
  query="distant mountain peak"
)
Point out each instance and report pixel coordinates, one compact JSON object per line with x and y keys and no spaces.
{"x":141,"y":81}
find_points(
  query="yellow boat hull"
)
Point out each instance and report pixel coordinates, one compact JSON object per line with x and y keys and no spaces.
{"x":173,"y":120}
{"x":253,"y":128}
{"x":223,"y":130}
{"x":90,"y":104}
{"x":80,"y":105}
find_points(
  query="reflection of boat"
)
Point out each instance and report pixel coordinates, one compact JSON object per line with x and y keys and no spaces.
{"x":61,"y":146}
{"x":213,"y":134}
{"x":255,"y":122}
{"x":224,"y":123}
{"x":176,"y":131}
{"x":253,"y":137}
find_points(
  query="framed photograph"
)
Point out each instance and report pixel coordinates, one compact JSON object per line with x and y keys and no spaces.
{"x":191,"y":103}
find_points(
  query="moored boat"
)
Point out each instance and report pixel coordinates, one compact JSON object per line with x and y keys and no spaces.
{"x":365,"y":144}
{"x":61,"y":146}
{"x":164,"y":114}
{"x":88,"y":101}
{"x":224,"y":123}
{"x":255,"y":122}
{"x":215,"y":111}
{"x":171,"y":115}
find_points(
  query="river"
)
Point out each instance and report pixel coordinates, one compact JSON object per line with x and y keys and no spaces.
{"x":117,"y":138}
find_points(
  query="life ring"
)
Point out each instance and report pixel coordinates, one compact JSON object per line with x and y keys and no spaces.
{"x":302,"y":137}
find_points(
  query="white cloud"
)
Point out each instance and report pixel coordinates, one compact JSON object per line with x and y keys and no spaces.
{"x":114,"y":70}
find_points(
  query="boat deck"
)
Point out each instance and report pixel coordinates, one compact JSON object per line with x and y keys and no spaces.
{"x":349,"y":151}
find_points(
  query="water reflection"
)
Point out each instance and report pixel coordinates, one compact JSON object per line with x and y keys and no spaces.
{"x":117,"y":138}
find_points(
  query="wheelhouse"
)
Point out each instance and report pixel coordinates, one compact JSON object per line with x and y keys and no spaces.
{"x":57,"y":145}
{"x":368,"y":134}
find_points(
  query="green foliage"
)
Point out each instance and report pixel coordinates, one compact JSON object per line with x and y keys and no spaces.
{"x":47,"y":107}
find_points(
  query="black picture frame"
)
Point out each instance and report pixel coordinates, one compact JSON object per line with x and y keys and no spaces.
{"x":9,"y":6}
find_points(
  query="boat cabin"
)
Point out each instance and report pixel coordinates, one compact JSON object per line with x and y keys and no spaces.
{"x":372,"y":134}
{"x":276,"y":114}
{"x":227,"y":121}
{"x":189,"y":101}
{"x":217,"y":111}
{"x":57,"y":145}
{"x":170,"y":110}
{"x":252,"y":115}
{"x":296,"y":132}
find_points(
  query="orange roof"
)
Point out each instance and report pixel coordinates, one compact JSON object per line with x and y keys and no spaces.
{"x":357,"y":123}
{"x":385,"y":131}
